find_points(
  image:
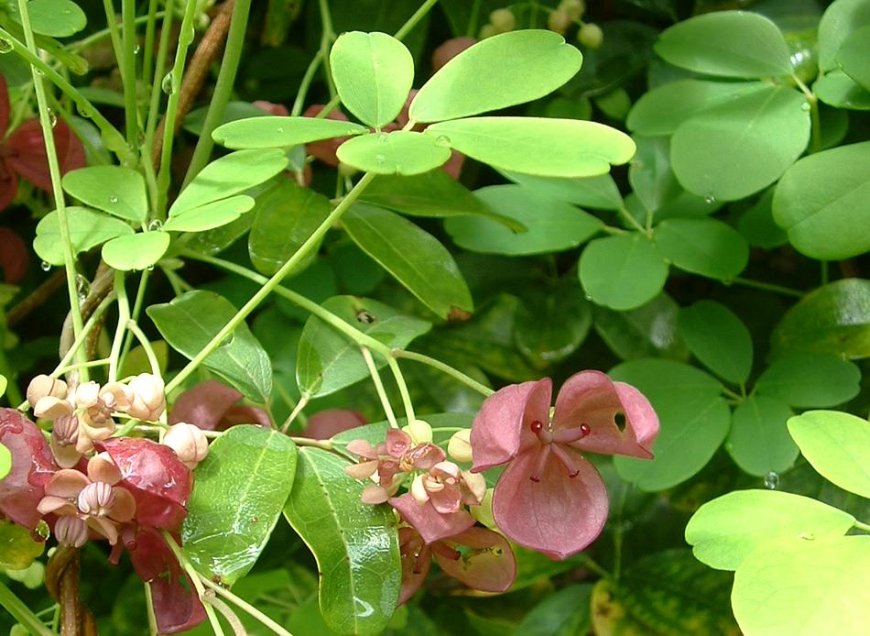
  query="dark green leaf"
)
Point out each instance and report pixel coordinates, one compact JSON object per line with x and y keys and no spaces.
{"x":113,"y":189}
{"x":191,"y":320}
{"x":841,"y":19}
{"x":551,"y":225}
{"x":758,"y":227}
{"x":239,"y":493}
{"x":840,"y":91}
{"x":703,"y":246}
{"x":552,"y":323}
{"x":854,"y":56}
{"x":210,"y":215}
{"x":599,"y":193}
{"x":563,"y":613}
{"x":650,"y":174}
{"x":810,"y":380}
{"x":356,"y":545}
{"x":281,"y":132}
{"x":414,"y":257}
{"x":500,"y":71}
{"x":400,"y":152}
{"x":759,"y":441}
{"x":647,"y":331}
{"x":718,"y":338}
{"x":87,"y":228}
{"x":136,"y":251}
{"x":622,"y":272}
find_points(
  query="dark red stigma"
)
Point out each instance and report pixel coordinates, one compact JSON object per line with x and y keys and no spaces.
{"x":537,"y":426}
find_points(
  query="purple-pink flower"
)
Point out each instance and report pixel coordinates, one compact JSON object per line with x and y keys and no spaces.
{"x":549,"y":497}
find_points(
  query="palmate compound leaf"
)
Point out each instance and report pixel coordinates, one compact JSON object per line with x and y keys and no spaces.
{"x":537,"y":145}
{"x":837,"y":445}
{"x":373,"y":73}
{"x":113,"y":189}
{"x":500,"y":71}
{"x":725,"y":531}
{"x":820,"y":202}
{"x":238,"y":496}
{"x":281,"y":132}
{"x":356,"y":545}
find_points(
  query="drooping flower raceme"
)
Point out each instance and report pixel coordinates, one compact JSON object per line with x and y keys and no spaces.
{"x":549,"y":497}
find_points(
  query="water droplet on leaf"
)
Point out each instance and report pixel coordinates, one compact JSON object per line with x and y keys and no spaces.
{"x":771,"y":480}
{"x":52,"y":117}
{"x":113,"y":198}
{"x":443,"y":141}
{"x":168,"y":84}
{"x":155,"y":225}
{"x":380,"y":159}
{"x":45,"y":265}
{"x":806,"y":106}
{"x":5,"y":45}
{"x":709,"y":199}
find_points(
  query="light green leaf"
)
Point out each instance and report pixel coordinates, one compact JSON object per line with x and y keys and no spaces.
{"x":736,"y":149}
{"x":840,"y":91}
{"x":551,"y":225}
{"x":327,"y":361}
{"x":834,"y":318}
{"x":5,"y":453}
{"x":841,"y":19}
{"x":820,"y":203}
{"x":810,"y":380}
{"x":356,"y":546}
{"x":703,"y":246}
{"x":810,"y":587}
{"x":136,"y":361}
{"x":622,"y":272}
{"x":240,"y":490}
{"x":3,"y":384}
{"x":191,"y":320}
{"x":759,"y":441}
{"x":599,"y":193}
{"x":400,"y":152}
{"x":662,"y":110}
{"x":500,"y":71}
{"x":723,"y":532}
{"x":728,"y":44}
{"x":414,"y":257}
{"x":209,"y":215}
{"x":718,"y":338}
{"x":281,"y":132}
{"x":837,"y":445}
{"x":647,"y":331}
{"x":18,"y":548}
{"x":55,"y":18}
{"x":113,"y":189}
{"x":87,"y":229}
{"x":229,"y":175}
{"x":537,"y":146}
{"x":854,"y":56}
{"x":650,"y":175}
{"x":373,"y":73}
{"x":286,"y":216}
{"x":136,"y":251}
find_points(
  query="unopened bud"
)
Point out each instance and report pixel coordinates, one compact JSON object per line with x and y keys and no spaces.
{"x":116,"y":396}
{"x":559,"y":21}
{"x":574,"y":8}
{"x":419,"y":491}
{"x":420,"y":432}
{"x":487,"y":31}
{"x":42,"y":386}
{"x":188,"y":442}
{"x":503,"y":20}
{"x":450,"y":49}
{"x":476,"y":485}
{"x":51,"y":407}
{"x":590,"y":35}
{"x":149,"y":400}
{"x":459,"y":446}
{"x":87,"y":395}
{"x":71,"y":531}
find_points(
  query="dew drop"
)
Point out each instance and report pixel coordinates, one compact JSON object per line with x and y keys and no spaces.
{"x":806,"y":106}
{"x":84,"y":110}
{"x":52,"y":117}
{"x":5,"y":45}
{"x":113,"y":198}
{"x":381,"y":159}
{"x":382,"y":138}
{"x":137,"y":49}
{"x":709,"y":199}
{"x":155,"y":225}
{"x":83,"y":287}
{"x":280,"y":130}
{"x":168,"y":84}
{"x":443,"y":141}
{"x":45,"y":266}
{"x":771,"y":480}
{"x":38,"y":72}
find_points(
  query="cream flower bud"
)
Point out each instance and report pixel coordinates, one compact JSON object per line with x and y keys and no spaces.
{"x":476,"y":484}
{"x":419,"y":491}
{"x":96,"y":498}
{"x":188,"y":442}
{"x":42,"y":386}
{"x":116,"y":396}
{"x":574,"y":8}
{"x":51,"y":407}
{"x":71,"y":531}
{"x":149,"y":400}
{"x":420,"y":432}
{"x":559,"y":21}
{"x":87,"y":395}
{"x":459,"y":446}
{"x":503,"y":20}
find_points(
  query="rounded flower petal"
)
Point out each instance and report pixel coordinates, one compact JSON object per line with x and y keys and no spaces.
{"x":431,"y":524}
{"x":489,"y":566}
{"x":557,"y":515}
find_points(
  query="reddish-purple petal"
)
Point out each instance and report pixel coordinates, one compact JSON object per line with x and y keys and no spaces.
{"x":26,"y":152}
{"x":416,"y":562}
{"x":8,"y":183}
{"x":325,"y":424}
{"x":4,"y":107}
{"x":14,"y":255}
{"x":431,"y":524}
{"x":557,"y":515}
{"x":593,"y":399}
{"x":490,"y":566}
{"x":204,"y":405}
{"x":502,"y":427}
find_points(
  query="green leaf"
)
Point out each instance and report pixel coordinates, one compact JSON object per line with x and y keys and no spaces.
{"x":718,"y":338}
{"x":664,"y":593}
{"x":113,"y":189}
{"x":500,"y":71}
{"x":703,"y":246}
{"x":840,"y":91}
{"x":136,"y":361}
{"x":854,"y":56}
{"x":810,"y":380}
{"x":229,"y":175}
{"x":650,"y":174}
{"x":136,"y":251}
{"x":647,"y":331}
{"x":727,"y":44}
{"x":738,"y":148}
{"x":281,"y":132}
{"x":662,"y":110}
{"x":328,"y":361}
{"x":536,"y":145}
{"x":87,"y":229}
{"x":191,"y":320}
{"x":837,"y":445}
{"x":820,"y":202}
{"x":551,"y":225}
{"x":286,"y":216}
{"x":210,"y":215}
{"x":622,"y":272}
{"x":759,"y":441}
{"x":834,"y":318}
{"x":566,"y":612}
{"x":356,"y":546}
{"x":599,"y":193}
{"x":18,"y":549}
{"x":758,"y":227}
{"x":552,"y":323}
{"x":840,"y":20}
{"x":373,"y":73}
{"x":55,"y":18}
{"x":240,"y":490}
{"x":399,"y":152}
{"x":723,"y":532}
{"x":5,"y":453}
{"x":3,"y":384}
{"x":414,"y":257}
{"x":814,"y":587}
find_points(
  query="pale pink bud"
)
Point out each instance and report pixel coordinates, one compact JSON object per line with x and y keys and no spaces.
{"x":503,"y":20}
{"x":44,"y":385}
{"x":459,"y":446}
{"x":51,"y":407}
{"x":419,"y":491}
{"x":475,"y":485}
{"x":559,"y":21}
{"x":149,"y":400}
{"x":116,"y":396}
{"x":87,"y":395}
{"x":420,"y":432}
{"x":188,"y":442}
{"x":96,"y":498}
{"x":71,"y":531}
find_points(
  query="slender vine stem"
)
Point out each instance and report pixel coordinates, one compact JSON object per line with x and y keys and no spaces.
{"x":83,"y":336}
{"x":195,"y":579}
{"x":862,"y":526}
{"x":120,"y":328}
{"x":403,"y":389}
{"x":154,"y":104}
{"x":134,"y":315}
{"x":128,"y":73}
{"x":411,"y":22}
{"x":444,"y":368}
{"x":379,"y":387}
{"x":21,"y":613}
{"x":301,"y":404}
{"x":146,"y":346}
{"x":148,"y":48}
{"x":304,"y":85}
{"x":327,"y":37}
{"x":778,"y":289}
{"x":246,"y":607}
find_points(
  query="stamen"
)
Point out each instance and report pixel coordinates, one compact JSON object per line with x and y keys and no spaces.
{"x":568,"y":435}
{"x":569,"y":460}
{"x":540,"y":463}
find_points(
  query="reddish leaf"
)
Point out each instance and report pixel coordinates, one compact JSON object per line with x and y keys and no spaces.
{"x":26,"y":152}
{"x":32,"y":467}
{"x":325,"y":150}
{"x":4,"y":106}
{"x":8,"y":183}
{"x":325,"y":424}
{"x":13,"y":256}
{"x":211,"y":405}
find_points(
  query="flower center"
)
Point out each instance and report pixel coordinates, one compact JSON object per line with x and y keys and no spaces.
{"x":553,"y":442}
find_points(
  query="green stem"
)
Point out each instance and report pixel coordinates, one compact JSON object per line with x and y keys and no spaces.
{"x":134,"y":315}
{"x":326,"y":40}
{"x":154,"y":104}
{"x":633,"y":222}
{"x":444,"y":368}
{"x":128,"y":73}
{"x":593,"y":565}
{"x":120,"y":329}
{"x":194,"y":576}
{"x":813,"y":101}
{"x":90,"y":364}
{"x":778,"y":289}
{"x":862,"y":526}
{"x":246,"y":607}
{"x":379,"y":387}
{"x":54,"y":171}
{"x":299,"y":102}
{"x":471,"y":30}
{"x":21,"y":613}
{"x":223,"y":88}
{"x":146,"y":346}
{"x":99,"y":36}
{"x":269,"y":286}
{"x":301,"y":404}
{"x":325,"y":444}
{"x":403,"y":389}
{"x":83,"y":336}
{"x":149,"y":608}
{"x":148,"y":48}
{"x":411,"y":22}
